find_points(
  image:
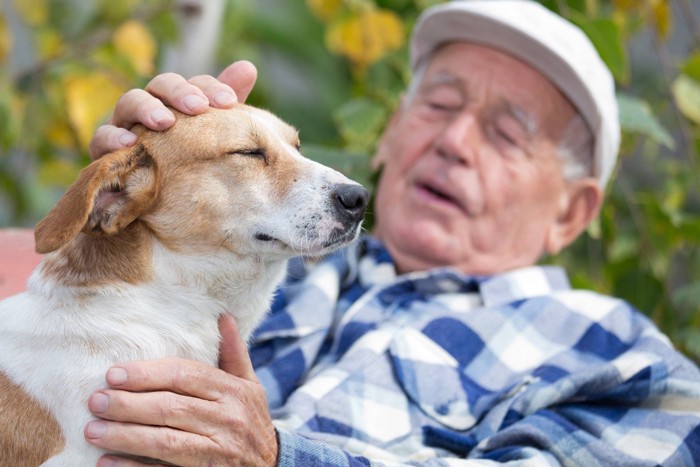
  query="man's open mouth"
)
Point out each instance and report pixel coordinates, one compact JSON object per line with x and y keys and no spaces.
{"x":439,"y":194}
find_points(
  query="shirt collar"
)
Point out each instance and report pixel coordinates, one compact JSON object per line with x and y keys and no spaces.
{"x":521,"y":284}
{"x":376,"y":266}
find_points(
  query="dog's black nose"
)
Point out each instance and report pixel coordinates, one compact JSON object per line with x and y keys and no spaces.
{"x":350,"y":201}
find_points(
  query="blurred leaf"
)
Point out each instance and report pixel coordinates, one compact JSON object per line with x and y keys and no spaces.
{"x":366,"y":36}
{"x":60,"y":135}
{"x":90,"y":97}
{"x":344,"y":161}
{"x":690,"y":341}
{"x":626,"y":5}
{"x":133,"y":41}
{"x":117,"y":11}
{"x":325,"y":9}
{"x":674,"y":198}
{"x":689,"y":227}
{"x":360,"y":121}
{"x":594,"y":229}
{"x":58,"y":173}
{"x":50,"y":43}
{"x":661,"y":17}
{"x":687,"y":299}
{"x":636,"y":285}
{"x":623,"y":247}
{"x":5,"y":38}
{"x":12,"y":110}
{"x":691,"y":66}
{"x":607,"y":39}
{"x":686,"y":93}
{"x":32,"y":12}
{"x":636,"y":116}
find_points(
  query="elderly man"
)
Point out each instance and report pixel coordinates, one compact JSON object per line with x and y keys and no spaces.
{"x":436,"y":340}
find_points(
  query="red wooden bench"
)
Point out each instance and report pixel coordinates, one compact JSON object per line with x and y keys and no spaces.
{"x":17,"y":260}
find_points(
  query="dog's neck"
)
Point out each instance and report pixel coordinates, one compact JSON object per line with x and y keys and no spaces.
{"x":135,"y":259}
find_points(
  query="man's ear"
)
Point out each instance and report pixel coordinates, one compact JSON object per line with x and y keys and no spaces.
{"x":109,"y":194}
{"x":578,"y":206}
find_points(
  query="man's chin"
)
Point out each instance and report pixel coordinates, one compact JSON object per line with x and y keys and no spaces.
{"x":416,"y":249}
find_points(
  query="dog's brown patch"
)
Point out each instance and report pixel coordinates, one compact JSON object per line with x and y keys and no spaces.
{"x":30,"y":435}
{"x":99,"y":261}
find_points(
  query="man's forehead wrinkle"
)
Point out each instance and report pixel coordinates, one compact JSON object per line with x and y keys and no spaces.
{"x":443,"y":78}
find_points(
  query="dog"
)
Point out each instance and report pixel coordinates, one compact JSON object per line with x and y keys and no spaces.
{"x":145,"y":250}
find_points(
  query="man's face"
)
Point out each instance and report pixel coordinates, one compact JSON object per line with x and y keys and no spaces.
{"x":471,"y":178}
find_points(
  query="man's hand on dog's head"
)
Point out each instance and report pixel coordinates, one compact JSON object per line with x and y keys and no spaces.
{"x":149,"y":107}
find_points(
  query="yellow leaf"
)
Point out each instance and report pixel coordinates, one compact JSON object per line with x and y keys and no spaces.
{"x":324,"y":9}
{"x":5,"y":38}
{"x":686,"y":93}
{"x":90,"y":97}
{"x":33,"y":12}
{"x":50,"y":43}
{"x":626,"y":5}
{"x":592,"y":7}
{"x":366,"y":36}
{"x":58,"y":172}
{"x":661,"y":16}
{"x":59,"y":134}
{"x":133,"y":41}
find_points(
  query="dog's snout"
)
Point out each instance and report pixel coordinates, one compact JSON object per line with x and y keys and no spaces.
{"x":351,"y":201}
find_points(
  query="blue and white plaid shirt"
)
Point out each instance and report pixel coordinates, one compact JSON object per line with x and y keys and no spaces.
{"x":366,"y":367}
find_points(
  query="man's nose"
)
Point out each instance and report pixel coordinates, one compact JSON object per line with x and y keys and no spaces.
{"x":459,"y":138}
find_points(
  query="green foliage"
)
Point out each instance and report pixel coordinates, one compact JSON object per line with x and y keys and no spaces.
{"x":643,"y":247}
{"x":64,"y":65}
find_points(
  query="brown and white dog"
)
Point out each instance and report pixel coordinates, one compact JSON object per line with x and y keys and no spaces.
{"x":146,"y":250}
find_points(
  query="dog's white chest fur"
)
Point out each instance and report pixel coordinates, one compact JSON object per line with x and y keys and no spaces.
{"x":56,"y":342}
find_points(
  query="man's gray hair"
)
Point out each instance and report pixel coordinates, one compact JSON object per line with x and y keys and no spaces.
{"x":575,"y":148}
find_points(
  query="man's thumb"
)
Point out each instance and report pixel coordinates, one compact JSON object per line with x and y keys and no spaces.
{"x":233,"y":352}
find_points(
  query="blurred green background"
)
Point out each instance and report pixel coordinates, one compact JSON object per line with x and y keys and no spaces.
{"x":335,"y":69}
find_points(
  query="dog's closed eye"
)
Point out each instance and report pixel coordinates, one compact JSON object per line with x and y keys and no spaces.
{"x":258,"y":153}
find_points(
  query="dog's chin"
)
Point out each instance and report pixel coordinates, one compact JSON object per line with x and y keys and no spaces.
{"x":341,"y":239}
{"x":316,"y":247}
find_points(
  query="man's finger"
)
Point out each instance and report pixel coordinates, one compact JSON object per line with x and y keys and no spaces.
{"x":233,"y":352}
{"x":138,"y":106}
{"x":219,"y":94}
{"x":186,"y":377}
{"x":175,"y":91}
{"x":156,"y":409}
{"x":114,"y":461}
{"x":166,"y":444}
{"x":109,"y":138}
{"x":241,"y":77}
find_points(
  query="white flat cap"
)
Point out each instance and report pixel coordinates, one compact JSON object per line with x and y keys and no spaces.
{"x":547,"y":42}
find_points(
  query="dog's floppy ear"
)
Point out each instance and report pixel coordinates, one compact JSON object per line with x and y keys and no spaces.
{"x":107,"y":196}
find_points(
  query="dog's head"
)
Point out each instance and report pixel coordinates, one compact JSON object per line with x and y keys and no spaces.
{"x":226,"y":179}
